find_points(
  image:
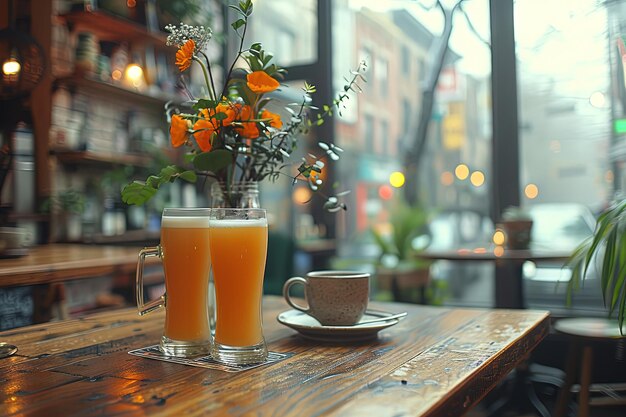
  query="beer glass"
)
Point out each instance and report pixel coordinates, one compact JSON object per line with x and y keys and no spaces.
{"x":238,"y":240}
{"x":184,"y":252}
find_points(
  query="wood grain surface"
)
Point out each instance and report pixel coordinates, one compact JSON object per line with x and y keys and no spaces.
{"x":435,"y":362}
{"x":57,"y":262}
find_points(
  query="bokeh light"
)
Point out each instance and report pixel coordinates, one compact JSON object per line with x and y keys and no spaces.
{"x":134,"y":74}
{"x":461,"y":171}
{"x":446,"y":178}
{"x":11,"y":67}
{"x":385,"y":192}
{"x":498,"y":237}
{"x":477,"y":178}
{"x":301,"y":195}
{"x":531,"y":191}
{"x":396,"y":179}
{"x":597,"y":99}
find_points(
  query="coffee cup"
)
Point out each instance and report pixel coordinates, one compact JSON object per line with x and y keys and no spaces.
{"x":334,"y":298}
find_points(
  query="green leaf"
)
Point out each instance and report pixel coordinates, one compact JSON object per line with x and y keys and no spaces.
{"x":305,"y":170}
{"x":204,"y":104}
{"x":188,"y":157}
{"x":137,"y":193}
{"x":219,"y":116}
{"x":213,"y":161}
{"x":189,"y":176}
{"x":607,"y":246}
{"x":238,"y":23}
{"x":246,"y":7}
{"x":267,"y":58}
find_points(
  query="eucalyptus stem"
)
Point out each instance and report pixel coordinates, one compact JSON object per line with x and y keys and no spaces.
{"x":208,"y":65}
{"x":232,"y":65}
{"x":206,"y":78}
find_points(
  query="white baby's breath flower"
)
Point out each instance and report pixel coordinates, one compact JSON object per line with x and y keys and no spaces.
{"x":182,"y":33}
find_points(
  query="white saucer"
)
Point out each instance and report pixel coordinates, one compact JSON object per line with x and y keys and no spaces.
{"x":310,"y":328}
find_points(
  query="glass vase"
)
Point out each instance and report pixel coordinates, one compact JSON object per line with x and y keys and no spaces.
{"x":237,"y":195}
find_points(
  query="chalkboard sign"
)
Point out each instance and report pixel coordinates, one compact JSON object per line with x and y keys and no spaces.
{"x":16,"y":307}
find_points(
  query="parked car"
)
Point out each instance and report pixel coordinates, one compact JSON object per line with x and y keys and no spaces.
{"x":560,"y":226}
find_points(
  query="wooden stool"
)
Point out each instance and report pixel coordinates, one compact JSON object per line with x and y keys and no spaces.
{"x":583,"y":332}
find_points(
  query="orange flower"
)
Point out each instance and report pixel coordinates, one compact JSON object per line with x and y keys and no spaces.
{"x":244,"y":113}
{"x":247,"y":129}
{"x":274,"y":119}
{"x":227,"y":109}
{"x":204,"y":131}
{"x":260,"y":82}
{"x":178,"y":131}
{"x":184,"y":55}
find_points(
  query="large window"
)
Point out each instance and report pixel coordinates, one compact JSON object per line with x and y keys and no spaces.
{"x":400,"y":40}
{"x":569,"y":108}
{"x":568,"y":64}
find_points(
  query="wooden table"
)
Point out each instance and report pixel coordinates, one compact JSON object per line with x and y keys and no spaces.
{"x":509,"y":273}
{"x":436,"y":362}
{"x":47,"y":264}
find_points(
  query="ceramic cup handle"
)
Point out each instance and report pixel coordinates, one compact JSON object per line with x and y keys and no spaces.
{"x":288,"y":284}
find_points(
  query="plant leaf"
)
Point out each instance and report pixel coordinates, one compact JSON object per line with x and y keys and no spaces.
{"x":137,"y":193}
{"x":238,"y":23}
{"x":189,"y":176}
{"x":213,"y":161}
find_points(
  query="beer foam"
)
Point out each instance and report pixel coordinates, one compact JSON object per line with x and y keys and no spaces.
{"x":187,"y":222}
{"x":239,"y":223}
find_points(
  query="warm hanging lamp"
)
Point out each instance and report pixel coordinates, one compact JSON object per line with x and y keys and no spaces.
{"x":22,"y":66}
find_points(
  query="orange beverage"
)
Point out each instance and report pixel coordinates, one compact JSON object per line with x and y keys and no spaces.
{"x":187,"y":262}
{"x":238,"y":250}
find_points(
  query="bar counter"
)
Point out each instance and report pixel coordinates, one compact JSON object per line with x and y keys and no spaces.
{"x":53,"y":263}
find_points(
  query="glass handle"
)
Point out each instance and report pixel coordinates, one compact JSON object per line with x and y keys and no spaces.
{"x":145,"y":308}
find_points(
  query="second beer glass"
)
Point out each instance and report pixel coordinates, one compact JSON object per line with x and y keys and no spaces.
{"x":238,"y":240}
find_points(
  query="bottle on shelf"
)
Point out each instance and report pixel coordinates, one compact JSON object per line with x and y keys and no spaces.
{"x":109,"y":218}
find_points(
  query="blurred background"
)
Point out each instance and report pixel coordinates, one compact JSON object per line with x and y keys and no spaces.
{"x":461,"y":118}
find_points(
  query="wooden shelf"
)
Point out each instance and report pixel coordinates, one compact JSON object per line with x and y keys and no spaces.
{"x":107,"y":158}
{"x":112,"y":28}
{"x":118,"y":91}
{"x":34,"y":217}
{"x":130,"y":237}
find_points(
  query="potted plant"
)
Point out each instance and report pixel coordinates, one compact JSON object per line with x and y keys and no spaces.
{"x":516,"y":223}
{"x":68,"y":206}
{"x":398,"y":270}
{"x":605,"y":250}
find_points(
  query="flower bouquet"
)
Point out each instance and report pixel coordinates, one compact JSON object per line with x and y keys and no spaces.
{"x":231,"y":135}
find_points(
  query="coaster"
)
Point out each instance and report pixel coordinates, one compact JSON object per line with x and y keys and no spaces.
{"x":153,"y":352}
